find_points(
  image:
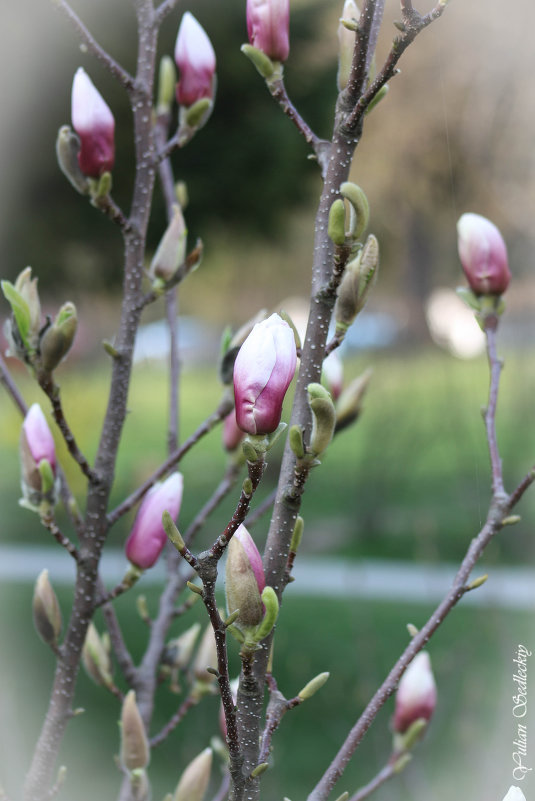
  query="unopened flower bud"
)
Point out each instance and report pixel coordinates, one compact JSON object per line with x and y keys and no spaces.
{"x":171,"y":251}
{"x":67,"y":152}
{"x":135,"y":750}
{"x":263,"y":371}
{"x":205,"y":657}
{"x":46,"y":611}
{"x":245,"y":579}
{"x":194,"y":781}
{"x":58,"y":338}
{"x":147,"y":538}
{"x":37,"y":458}
{"x":349,"y":405}
{"x":358,"y":279}
{"x":323,"y":418}
{"x":416,"y":696}
{"x":94,"y":123}
{"x":96,"y":659}
{"x":483,"y":255}
{"x":178,"y":652}
{"x":332,"y":374}
{"x":22,"y":330}
{"x":195,"y":59}
{"x":231,"y":344}
{"x":346,"y":43}
{"x":268,"y":24}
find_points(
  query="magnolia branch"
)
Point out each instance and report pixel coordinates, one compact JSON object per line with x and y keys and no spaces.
{"x":124,"y":78}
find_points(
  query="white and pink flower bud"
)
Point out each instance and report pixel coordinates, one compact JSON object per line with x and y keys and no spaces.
{"x":232,"y":433}
{"x":195,"y":59}
{"x":263,"y":371}
{"x":483,"y":255}
{"x":245,"y":579}
{"x":416,"y":696}
{"x":268,"y":26}
{"x":148,"y":537}
{"x":94,"y":123}
{"x":38,"y":437}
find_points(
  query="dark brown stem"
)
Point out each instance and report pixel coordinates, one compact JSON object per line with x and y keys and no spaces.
{"x":223,"y":409}
{"x":11,"y":388}
{"x":124,"y":78}
{"x":108,"y":206}
{"x":179,"y":715}
{"x":52,"y":391}
{"x":50,"y":524}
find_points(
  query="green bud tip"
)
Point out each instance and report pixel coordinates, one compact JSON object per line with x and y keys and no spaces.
{"x":247,"y":487}
{"x":198,"y":113}
{"x":271,"y":604}
{"x":402,"y":763}
{"x":263,"y":63}
{"x":172,"y":532}
{"x":194,"y":588}
{"x":337,"y":222}
{"x":259,"y":769}
{"x":47,"y":476}
{"x":511,"y":520}
{"x":313,"y":686}
{"x":411,"y":628}
{"x":343,"y":797}
{"x":232,"y":618}
{"x":414,"y":733}
{"x":476,"y":583}
{"x":359,"y":202}
{"x":296,"y":441}
{"x":297,"y":534}
{"x":166,"y":84}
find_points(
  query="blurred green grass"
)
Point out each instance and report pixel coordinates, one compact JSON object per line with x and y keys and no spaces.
{"x":410,"y":480}
{"x":466,"y":753}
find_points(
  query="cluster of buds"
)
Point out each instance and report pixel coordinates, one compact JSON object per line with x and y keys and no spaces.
{"x":38,"y":462}
{"x":41,"y":347}
{"x":263,"y":371}
{"x":147,"y":538}
{"x":252,"y":606}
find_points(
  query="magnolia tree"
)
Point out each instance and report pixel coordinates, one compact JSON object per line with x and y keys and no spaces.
{"x":257,"y":368}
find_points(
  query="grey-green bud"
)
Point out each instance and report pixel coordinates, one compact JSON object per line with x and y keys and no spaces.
{"x":58,"y":338}
{"x":337,"y":222}
{"x":323,"y":418}
{"x":46,"y":611}
{"x":360,"y":206}
{"x":67,"y":149}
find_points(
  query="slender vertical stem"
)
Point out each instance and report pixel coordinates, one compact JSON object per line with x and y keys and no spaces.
{"x":495,"y":368}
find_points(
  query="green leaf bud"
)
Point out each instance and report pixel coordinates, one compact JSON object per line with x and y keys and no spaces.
{"x":313,"y":686}
{"x":323,"y":418}
{"x":263,"y":63}
{"x":172,"y":531}
{"x":67,"y":150}
{"x":96,"y":659}
{"x":297,"y":534}
{"x":359,"y":203}
{"x":349,"y":405}
{"x":259,"y":770}
{"x":271,"y":603}
{"x":135,"y":750}
{"x":197,"y":114}
{"x":402,"y":762}
{"x":382,"y":93}
{"x":46,"y":611}
{"x":343,"y":797}
{"x":337,"y":222}
{"x":166,"y":85}
{"x":58,"y":338}
{"x":296,"y":441}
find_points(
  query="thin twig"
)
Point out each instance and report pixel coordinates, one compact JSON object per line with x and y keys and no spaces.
{"x":50,"y":524}
{"x":52,"y":391}
{"x":223,"y":409}
{"x":495,"y":367}
{"x":124,"y":78}
{"x":110,"y":208}
{"x":120,"y":650}
{"x":383,"y":776}
{"x":179,"y":715}
{"x":225,"y":486}
{"x":163,"y":10}
{"x":7,"y":380}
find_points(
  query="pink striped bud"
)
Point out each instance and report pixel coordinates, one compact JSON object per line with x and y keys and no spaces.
{"x":94,"y":123}
{"x":268,"y":24}
{"x":263,"y":371}
{"x":483,"y":255}
{"x":232,"y":433}
{"x":148,"y":537}
{"x":245,"y":579}
{"x":195,"y":58}
{"x":416,"y":696}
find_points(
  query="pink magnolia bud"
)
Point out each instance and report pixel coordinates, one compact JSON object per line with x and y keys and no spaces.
{"x":268,"y":23}
{"x":195,"y":58}
{"x":263,"y":371}
{"x":232,"y":433}
{"x":38,"y":438}
{"x":483,"y":255}
{"x":94,"y":123}
{"x":416,"y":696}
{"x":148,"y":537}
{"x":245,"y":579}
